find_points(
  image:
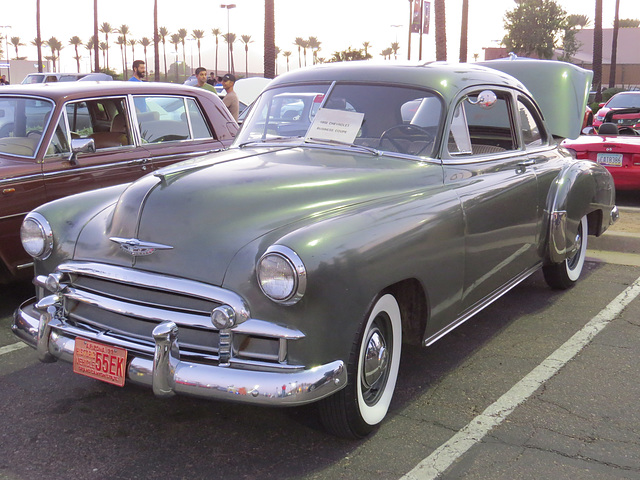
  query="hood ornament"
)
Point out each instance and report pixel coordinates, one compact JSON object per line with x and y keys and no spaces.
{"x":136,"y":248}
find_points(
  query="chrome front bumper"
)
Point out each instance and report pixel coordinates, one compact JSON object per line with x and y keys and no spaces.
{"x":168,"y":375}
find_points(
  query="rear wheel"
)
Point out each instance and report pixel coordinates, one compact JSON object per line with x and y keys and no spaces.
{"x":564,"y":275}
{"x":357,"y":409}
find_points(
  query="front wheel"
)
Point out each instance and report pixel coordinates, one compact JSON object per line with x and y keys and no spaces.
{"x":372,"y":371}
{"x":564,"y":275}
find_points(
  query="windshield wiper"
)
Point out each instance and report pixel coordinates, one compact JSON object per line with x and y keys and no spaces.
{"x":268,"y":140}
{"x":316,"y":141}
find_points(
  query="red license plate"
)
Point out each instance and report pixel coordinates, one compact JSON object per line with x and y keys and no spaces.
{"x":99,"y":361}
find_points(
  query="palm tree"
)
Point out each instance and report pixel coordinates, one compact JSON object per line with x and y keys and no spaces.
{"x":96,"y":40}
{"x":76,"y":42}
{"x":175,"y":40}
{"x":395,"y":46}
{"x":246,"y":39}
{"x":314,"y":44}
{"x":103,"y":49}
{"x":216,"y":32}
{"x":145,"y":42}
{"x":124,"y":31}
{"x":278,"y":51}
{"x":54,"y":44}
{"x":38,"y":40}
{"x":106,"y":29}
{"x":464,"y":31}
{"x":182,"y":33}
{"x":15,"y":41}
{"x":163,"y":32}
{"x":132,"y":43}
{"x":614,"y":46}
{"x":121,"y":41}
{"x":386,"y":53}
{"x":270,"y":53}
{"x":89,"y":47}
{"x":299,"y":42}
{"x":441,"y":33}
{"x":198,"y":35}
{"x":305,"y":45}
{"x":286,"y":55}
{"x":230,"y":38}
{"x":577,"y":20}
{"x":366,"y":46}
{"x":597,"y":51}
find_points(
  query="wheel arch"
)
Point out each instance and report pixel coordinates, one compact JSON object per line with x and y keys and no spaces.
{"x":414,"y":308}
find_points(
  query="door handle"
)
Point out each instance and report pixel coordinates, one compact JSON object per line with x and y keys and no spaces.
{"x":527,"y":163}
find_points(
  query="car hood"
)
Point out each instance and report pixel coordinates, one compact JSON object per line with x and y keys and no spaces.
{"x":201,"y":213}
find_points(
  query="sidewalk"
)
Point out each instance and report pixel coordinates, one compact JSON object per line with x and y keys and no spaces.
{"x":620,"y":244}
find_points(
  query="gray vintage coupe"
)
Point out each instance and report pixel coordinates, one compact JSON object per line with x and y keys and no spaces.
{"x":361,"y":206}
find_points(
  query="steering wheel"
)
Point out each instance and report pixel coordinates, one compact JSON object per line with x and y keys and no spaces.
{"x":398,"y":132}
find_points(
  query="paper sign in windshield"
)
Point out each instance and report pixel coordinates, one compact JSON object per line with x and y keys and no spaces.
{"x":335,"y":126}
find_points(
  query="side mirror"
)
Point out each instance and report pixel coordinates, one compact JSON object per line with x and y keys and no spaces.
{"x":486,"y":99}
{"x":588,"y":130}
{"x":81,"y":145}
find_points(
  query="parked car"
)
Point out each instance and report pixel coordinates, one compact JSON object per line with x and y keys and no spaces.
{"x":64,"y":138}
{"x":51,"y":77}
{"x":621,"y":100}
{"x":616,"y":148}
{"x":292,"y":267}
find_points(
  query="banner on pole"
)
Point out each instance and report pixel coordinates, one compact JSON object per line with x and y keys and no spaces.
{"x":427,"y":17}
{"x":416,"y":19}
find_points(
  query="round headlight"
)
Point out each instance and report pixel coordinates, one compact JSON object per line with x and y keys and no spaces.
{"x":36,"y":236}
{"x":282,"y":275}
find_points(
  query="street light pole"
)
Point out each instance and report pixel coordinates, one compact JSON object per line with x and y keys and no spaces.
{"x":228,"y":6}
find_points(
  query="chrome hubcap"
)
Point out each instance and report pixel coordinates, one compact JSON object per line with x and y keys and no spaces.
{"x":376,"y":359}
{"x":571,"y":262}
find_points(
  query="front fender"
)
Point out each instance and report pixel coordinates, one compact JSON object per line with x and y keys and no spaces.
{"x":581,"y":188}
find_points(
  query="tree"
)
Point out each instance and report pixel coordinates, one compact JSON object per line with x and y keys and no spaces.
{"x":122,"y":42}
{"x":96,"y":39}
{"x":299,"y":42}
{"x":314,"y":45}
{"x":286,"y":55}
{"x":132,"y":43}
{"x":533,"y":28}
{"x":38,"y":40}
{"x":278,"y":52}
{"x":182,"y":33}
{"x":156,"y":42}
{"x":163,"y":32}
{"x":198,"y":35}
{"x":629,"y":23}
{"x":230,"y":38}
{"x":597,"y":51}
{"x":395,"y":46}
{"x":124,"y":31}
{"x":15,"y":41}
{"x":216,"y":33}
{"x":349,"y":55}
{"x":569,"y":44}
{"x":54,"y":44}
{"x":145,"y":42}
{"x":175,"y":41}
{"x":614,"y":46}
{"x":246,"y":39}
{"x":270,"y":53}
{"x":441,"y":32}
{"x":76,"y":42}
{"x":386,"y":53}
{"x":106,"y":29}
{"x":366,"y":46}
{"x":103,"y":49}
{"x":89,"y":47}
{"x":581,"y":21}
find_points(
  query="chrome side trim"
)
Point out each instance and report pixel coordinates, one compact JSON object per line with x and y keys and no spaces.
{"x":480,"y":305}
{"x":558,"y":236}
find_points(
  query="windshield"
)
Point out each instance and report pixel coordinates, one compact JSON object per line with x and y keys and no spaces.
{"x":384,"y":117}
{"x":22,"y":123}
{"x":625,"y":101}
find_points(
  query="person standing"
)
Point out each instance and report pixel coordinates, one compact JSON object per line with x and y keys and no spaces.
{"x":201,"y":77}
{"x":212,"y":79}
{"x":3,"y":80}
{"x":139,"y":71}
{"x":231,"y":98}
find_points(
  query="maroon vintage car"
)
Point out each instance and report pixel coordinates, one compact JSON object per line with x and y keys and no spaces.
{"x":64,"y":138}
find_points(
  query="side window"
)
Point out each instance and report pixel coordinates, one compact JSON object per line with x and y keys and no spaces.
{"x":198,"y":122}
{"x":59,"y":141}
{"x":162,"y":119}
{"x":479,"y":129}
{"x":105,"y":120}
{"x":532,"y":132}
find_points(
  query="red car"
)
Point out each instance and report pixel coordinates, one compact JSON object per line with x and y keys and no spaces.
{"x":616,"y":148}
{"x":621,"y":100}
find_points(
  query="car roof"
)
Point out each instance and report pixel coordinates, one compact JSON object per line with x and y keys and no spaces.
{"x":62,"y":91}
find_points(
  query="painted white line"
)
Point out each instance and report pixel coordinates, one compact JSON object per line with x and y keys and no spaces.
{"x":12,"y":348}
{"x":445,"y":455}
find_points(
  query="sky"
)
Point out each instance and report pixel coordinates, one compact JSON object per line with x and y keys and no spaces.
{"x":337,"y":24}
